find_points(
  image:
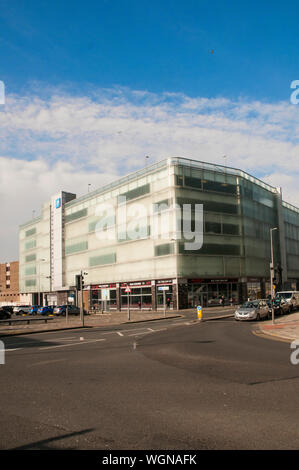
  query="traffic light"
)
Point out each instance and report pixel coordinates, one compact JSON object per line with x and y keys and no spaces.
{"x":78,"y":281}
{"x":82,"y":281}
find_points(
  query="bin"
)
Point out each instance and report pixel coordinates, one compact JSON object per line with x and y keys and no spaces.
{"x":199,"y":312}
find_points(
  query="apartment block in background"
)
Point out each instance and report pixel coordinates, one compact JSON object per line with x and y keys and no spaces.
{"x":9,"y":283}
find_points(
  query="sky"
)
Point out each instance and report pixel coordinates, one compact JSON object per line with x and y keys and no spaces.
{"x":92,"y":88}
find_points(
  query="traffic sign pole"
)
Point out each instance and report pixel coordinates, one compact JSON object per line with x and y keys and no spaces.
{"x":128,"y":290}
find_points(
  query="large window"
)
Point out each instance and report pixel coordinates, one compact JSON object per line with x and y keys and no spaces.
{"x":139,"y":297}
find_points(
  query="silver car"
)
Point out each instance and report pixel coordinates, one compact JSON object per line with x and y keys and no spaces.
{"x":253,"y":310}
{"x":21,"y":309}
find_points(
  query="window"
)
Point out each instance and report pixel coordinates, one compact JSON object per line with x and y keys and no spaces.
{"x":230,"y":229}
{"x":29,"y":258}
{"x":80,"y":246}
{"x":30,"y":232}
{"x":109,"y":258}
{"x":212,"y":249}
{"x":76,"y":215}
{"x":165,"y":249}
{"x":134,"y":193}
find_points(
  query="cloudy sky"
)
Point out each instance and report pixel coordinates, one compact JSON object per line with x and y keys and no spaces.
{"x":90,"y":93}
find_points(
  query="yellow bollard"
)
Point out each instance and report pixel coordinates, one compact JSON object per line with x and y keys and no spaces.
{"x":199,"y":312}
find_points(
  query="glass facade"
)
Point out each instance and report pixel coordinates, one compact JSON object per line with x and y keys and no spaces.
{"x":120,"y":244}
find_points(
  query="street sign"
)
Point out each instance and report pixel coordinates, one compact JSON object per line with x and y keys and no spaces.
{"x":163,"y":288}
{"x":127,"y":289}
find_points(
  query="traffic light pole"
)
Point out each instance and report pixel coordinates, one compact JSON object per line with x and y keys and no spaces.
{"x":272,"y":273}
{"x":81,"y":304}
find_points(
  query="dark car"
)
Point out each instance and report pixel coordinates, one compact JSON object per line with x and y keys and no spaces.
{"x":4,"y":314}
{"x":280,"y":306}
{"x":8,"y":308}
{"x":47,"y":310}
{"x":61,"y":310}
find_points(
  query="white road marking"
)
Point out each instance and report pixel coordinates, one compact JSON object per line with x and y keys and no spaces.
{"x":72,"y":344}
{"x":16,"y":349}
{"x":42,"y":363}
{"x":119,"y":333}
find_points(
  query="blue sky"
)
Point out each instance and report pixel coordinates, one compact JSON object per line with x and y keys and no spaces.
{"x":156,"y":46}
{"x":93,"y":87}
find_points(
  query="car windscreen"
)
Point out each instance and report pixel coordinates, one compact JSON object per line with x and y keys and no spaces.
{"x":250,"y":305}
{"x":286,"y":295}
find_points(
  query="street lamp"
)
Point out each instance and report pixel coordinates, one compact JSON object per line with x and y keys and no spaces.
{"x":272,"y":271}
{"x":38,"y":294}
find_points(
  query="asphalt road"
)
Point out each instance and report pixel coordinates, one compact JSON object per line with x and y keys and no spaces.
{"x":169,"y":384}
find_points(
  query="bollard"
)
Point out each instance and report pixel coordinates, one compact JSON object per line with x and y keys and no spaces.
{"x":199,"y":312}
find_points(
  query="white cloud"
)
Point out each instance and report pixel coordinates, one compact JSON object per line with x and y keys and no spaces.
{"x":59,"y":141}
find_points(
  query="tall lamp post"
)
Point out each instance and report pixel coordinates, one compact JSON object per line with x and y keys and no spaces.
{"x":38,"y":295}
{"x":272,"y":271}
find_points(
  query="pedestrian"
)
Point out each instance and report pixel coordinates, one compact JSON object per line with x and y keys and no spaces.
{"x":168,"y":302}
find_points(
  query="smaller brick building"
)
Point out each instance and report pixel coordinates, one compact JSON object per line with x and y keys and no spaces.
{"x":9,"y":283}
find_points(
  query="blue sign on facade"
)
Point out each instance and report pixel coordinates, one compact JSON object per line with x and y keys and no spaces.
{"x":58,"y":203}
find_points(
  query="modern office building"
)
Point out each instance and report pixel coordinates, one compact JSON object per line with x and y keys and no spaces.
{"x":136,"y":232}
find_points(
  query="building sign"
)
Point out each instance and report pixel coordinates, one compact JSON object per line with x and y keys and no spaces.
{"x":212,"y":281}
{"x":103,"y":286}
{"x":58,"y":203}
{"x":136,"y":284}
{"x":164,"y":281}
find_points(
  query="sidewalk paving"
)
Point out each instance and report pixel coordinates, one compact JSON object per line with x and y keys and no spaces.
{"x":108,"y":319}
{"x":285,"y":328}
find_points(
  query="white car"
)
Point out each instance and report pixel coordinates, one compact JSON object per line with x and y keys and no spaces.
{"x":21,"y":309}
{"x":253,"y":310}
{"x":291,"y":297}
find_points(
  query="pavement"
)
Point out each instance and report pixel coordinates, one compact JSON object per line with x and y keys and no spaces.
{"x":285,"y":328}
{"x":109,"y":319}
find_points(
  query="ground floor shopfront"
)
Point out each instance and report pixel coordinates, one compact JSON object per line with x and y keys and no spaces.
{"x":174,"y":293}
{"x":158,"y":294}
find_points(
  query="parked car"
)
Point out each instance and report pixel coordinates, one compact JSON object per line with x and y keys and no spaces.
{"x":61,"y":310}
{"x":21,"y":309}
{"x":4,"y":314}
{"x":280,"y":305}
{"x":34,"y":310}
{"x":291,"y":297}
{"x":46,"y":310}
{"x":8,"y":308}
{"x":253,"y":310}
